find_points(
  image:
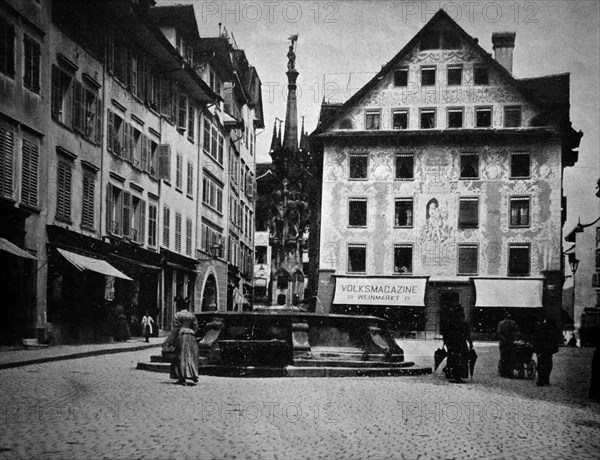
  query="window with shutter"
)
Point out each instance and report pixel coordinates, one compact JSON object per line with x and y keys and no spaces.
{"x":142,"y":223}
{"x":179,"y":172}
{"x":87,"y":208}
{"x":152,"y":222}
{"x":127,"y":214}
{"x":164,"y":162}
{"x":29,"y":173}
{"x":110,"y":127}
{"x":190,"y":178}
{"x":78,"y":107}
{"x":137,"y":147}
{"x":144,"y":149}
{"x":127,"y":142}
{"x":191,"y":121}
{"x":7,"y":145}
{"x":63,"y":193}
{"x":178,"y":223}
{"x":206,"y":140}
{"x":109,"y":208}
{"x":188,"y":237}
{"x":182,"y":108}
{"x":166,"y":227}
{"x":98,"y":127}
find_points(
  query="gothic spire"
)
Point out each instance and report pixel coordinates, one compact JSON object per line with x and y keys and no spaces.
{"x":275,"y":144}
{"x":304,"y":144}
{"x":290,"y":140}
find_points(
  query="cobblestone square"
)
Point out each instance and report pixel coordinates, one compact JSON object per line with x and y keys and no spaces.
{"x":102,"y":407}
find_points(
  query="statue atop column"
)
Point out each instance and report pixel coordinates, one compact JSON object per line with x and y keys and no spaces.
{"x":291,"y":53}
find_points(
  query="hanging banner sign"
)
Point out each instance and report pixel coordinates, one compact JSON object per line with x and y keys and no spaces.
{"x":406,"y":292}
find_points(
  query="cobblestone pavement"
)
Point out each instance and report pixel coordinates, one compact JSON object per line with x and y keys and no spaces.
{"x":102,"y":407}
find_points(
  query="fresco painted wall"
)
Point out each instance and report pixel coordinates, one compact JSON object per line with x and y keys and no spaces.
{"x":436,"y":177}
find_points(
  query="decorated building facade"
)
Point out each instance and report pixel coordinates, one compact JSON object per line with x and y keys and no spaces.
{"x":442,"y":186}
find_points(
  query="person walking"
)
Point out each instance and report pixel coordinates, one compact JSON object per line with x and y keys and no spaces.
{"x":185,"y":361}
{"x":147,"y":322}
{"x":457,"y":339}
{"x":507,"y":334}
{"x":546,"y":338}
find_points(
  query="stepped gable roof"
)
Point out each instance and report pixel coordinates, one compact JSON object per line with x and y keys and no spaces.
{"x":329,"y":116}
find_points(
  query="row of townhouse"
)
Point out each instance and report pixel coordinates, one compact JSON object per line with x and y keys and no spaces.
{"x":119,"y":130}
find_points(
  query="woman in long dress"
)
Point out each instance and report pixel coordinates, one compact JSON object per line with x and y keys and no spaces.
{"x":457,"y":339}
{"x":185,"y":361}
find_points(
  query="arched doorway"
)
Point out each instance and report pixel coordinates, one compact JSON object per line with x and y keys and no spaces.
{"x":209,"y":296}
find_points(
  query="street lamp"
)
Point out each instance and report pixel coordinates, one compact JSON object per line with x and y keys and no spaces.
{"x":573,"y":263}
{"x":215,"y":250}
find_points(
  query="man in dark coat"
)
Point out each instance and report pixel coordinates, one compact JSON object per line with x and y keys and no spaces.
{"x":545,"y":343}
{"x":507,"y":334}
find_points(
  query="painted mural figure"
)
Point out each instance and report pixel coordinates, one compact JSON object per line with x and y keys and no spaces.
{"x":435,"y":229}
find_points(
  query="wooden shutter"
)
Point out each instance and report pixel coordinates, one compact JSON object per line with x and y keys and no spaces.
{"x":188,"y":237}
{"x":164,"y":161}
{"x":178,"y":223}
{"x":63,"y":195}
{"x":182,"y":112}
{"x":126,"y":214}
{"x":166,"y":227}
{"x":190,"y":178}
{"x":29,"y":173}
{"x":142,"y":223}
{"x":179,"y":172}
{"x":144,"y":147}
{"x":110,"y":127}
{"x":98,"y":127}
{"x":78,"y":107}
{"x":7,"y":145}
{"x":87,"y":211}
{"x":109,"y":208}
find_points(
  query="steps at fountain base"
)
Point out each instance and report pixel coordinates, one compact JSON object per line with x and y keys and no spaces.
{"x":316,"y":369}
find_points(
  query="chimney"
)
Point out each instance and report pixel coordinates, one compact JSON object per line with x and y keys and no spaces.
{"x":504,"y":43}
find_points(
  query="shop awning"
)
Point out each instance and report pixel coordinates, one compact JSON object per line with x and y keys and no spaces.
{"x":508,"y":293}
{"x":95,"y":265}
{"x":388,"y":291}
{"x":15,"y":250}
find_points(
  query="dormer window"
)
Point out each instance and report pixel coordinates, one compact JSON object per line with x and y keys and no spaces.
{"x":401,"y":77}
{"x":481,"y":75}
{"x":454,"y":75}
{"x":428,"y":76}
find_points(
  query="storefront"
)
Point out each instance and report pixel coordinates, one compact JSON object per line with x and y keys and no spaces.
{"x":17,"y":272}
{"x":90,"y":281}
{"x":179,"y":283}
{"x":400,"y":300}
{"x":522,"y":297}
